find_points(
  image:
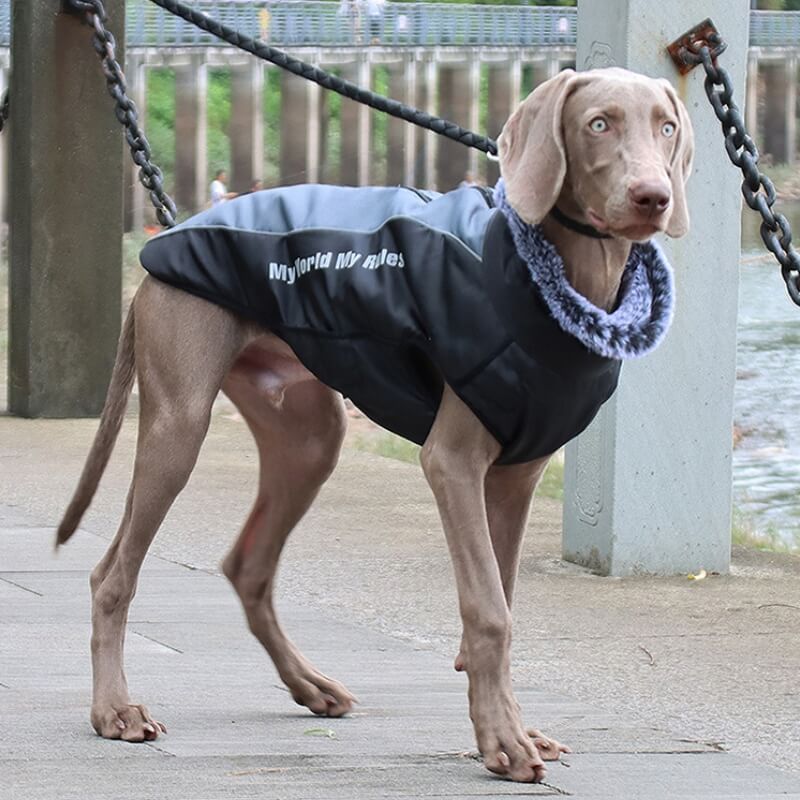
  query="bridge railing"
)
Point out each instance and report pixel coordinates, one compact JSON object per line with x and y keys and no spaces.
{"x":294,"y":23}
{"x":311,"y":22}
{"x":775,"y":29}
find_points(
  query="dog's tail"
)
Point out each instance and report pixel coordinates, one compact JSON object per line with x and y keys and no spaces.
{"x":110,"y":422}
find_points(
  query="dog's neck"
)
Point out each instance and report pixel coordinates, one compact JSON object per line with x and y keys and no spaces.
{"x":593,"y":266}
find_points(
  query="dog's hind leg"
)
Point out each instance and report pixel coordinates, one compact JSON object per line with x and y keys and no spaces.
{"x":298,"y":424}
{"x":184,"y":348}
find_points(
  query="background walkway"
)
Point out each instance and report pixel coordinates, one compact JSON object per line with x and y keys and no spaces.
{"x":648,"y":680}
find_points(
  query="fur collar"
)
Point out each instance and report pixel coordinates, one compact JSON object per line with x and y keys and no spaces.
{"x":645,"y":302}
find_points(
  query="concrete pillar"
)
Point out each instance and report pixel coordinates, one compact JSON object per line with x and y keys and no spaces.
{"x":455,"y":99}
{"x":191,"y":136}
{"x":4,"y":159}
{"x":473,"y":121}
{"x":504,"y":95}
{"x":364,"y":121}
{"x":66,"y":218}
{"x":313,"y":137}
{"x":775,"y":92}
{"x":751,"y":105}
{"x":294,"y":129}
{"x":247,"y":124}
{"x":410,"y":132}
{"x":430,"y":178}
{"x":553,"y":65}
{"x":647,"y":487}
{"x":791,"y":109}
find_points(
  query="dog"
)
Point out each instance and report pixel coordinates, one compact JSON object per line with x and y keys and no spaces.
{"x":567,"y":284}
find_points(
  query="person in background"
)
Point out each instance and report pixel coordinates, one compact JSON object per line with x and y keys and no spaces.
{"x":219,"y":191}
{"x":375,"y":9}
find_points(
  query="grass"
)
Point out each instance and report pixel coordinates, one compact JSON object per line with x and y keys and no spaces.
{"x":744,"y":534}
{"x":389,"y":445}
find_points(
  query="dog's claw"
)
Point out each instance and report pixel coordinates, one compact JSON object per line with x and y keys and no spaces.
{"x":549,"y":749}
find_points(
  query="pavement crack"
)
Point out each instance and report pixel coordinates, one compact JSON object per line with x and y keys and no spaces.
{"x":557,"y":789}
{"x":20,"y":586}
{"x":156,"y":641}
{"x":160,"y":750}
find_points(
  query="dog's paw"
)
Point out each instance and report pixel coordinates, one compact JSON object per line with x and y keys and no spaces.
{"x":320,"y":694}
{"x":130,"y":722}
{"x":514,"y":757}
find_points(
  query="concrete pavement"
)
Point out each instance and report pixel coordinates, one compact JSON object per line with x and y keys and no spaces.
{"x":650,"y":681}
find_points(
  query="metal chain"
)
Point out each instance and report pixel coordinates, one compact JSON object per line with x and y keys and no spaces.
{"x":758,"y":190}
{"x":267,"y":53}
{"x":150,"y":175}
{"x":4,"y":110}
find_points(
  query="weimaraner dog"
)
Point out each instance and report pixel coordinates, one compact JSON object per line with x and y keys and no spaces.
{"x":593,"y":165}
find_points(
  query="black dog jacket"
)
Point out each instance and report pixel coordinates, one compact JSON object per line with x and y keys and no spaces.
{"x":385,"y":293}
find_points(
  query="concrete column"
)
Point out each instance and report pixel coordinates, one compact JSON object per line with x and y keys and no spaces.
{"x":66,"y":218}
{"x":191,"y":136}
{"x":474,"y":118}
{"x":313,"y":137}
{"x":430,"y":178}
{"x":751,"y":104}
{"x":553,"y":65}
{"x":775,"y":93}
{"x":504,"y":91}
{"x":136,"y":198}
{"x":364,"y":121}
{"x":410,"y":132}
{"x":791,"y":108}
{"x":648,"y":486}
{"x":294,"y":129}
{"x":4,"y":159}
{"x":455,"y":99}
{"x":247,"y":124}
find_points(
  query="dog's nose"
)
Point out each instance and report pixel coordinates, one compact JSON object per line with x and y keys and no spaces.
{"x":649,"y":198}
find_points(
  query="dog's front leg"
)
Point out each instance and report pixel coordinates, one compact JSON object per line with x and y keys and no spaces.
{"x":456,"y":459}
{"x":508,"y":492}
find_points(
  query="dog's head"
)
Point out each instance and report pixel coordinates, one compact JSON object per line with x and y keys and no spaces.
{"x":612,"y":147}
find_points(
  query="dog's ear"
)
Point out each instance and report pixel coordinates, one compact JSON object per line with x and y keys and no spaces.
{"x":680,"y":165}
{"x":533,"y":161}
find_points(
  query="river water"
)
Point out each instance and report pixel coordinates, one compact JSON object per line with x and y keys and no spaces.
{"x":766,"y":466}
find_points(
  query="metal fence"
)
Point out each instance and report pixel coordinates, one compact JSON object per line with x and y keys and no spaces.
{"x":309,"y":22}
{"x":294,"y":23}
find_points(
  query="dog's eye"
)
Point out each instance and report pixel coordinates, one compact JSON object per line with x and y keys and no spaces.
{"x":598,"y":125}
{"x":668,"y":128}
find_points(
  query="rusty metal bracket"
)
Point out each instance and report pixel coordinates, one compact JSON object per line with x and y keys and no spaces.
{"x":685,"y":50}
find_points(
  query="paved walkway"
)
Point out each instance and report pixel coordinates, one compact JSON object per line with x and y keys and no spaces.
{"x":367,"y":594}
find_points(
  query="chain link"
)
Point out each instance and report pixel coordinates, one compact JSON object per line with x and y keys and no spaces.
{"x":758,"y":190}
{"x":104,"y":44}
{"x":5,"y":109}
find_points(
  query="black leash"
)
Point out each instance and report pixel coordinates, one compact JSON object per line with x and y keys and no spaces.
{"x":267,"y":53}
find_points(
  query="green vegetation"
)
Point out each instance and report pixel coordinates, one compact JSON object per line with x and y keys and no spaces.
{"x":382,"y":443}
{"x":744,"y":534}
{"x":778,"y":5}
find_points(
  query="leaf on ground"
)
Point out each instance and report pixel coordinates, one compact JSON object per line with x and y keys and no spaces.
{"x":327,"y":732}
